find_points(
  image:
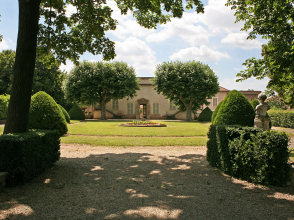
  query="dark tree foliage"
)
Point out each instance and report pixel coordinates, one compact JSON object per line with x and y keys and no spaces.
{"x":47,"y":77}
{"x":44,"y":23}
{"x":188,"y":84}
{"x":273,"y":20}
{"x":45,"y":114}
{"x":235,"y":110}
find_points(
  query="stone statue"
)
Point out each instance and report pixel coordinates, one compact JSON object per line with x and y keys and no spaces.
{"x":262,"y":120}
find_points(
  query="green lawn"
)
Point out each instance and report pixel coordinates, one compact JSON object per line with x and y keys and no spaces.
{"x":112,"y":128}
{"x":109,"y":133}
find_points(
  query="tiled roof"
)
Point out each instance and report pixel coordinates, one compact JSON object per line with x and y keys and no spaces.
{"x":222,"y":89}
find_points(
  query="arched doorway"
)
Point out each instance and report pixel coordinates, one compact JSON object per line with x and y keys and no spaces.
{"x":142,"y":109}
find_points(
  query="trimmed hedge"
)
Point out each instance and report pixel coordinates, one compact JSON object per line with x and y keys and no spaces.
{"x":235,"y":110}
{"x":65,"y":113}
{"x":45,"y":114}
{"x":4,"y":101}
{"x":254,"y":103}
{"x":205,"y":115}
{"x":248,"y":153}
{"x":76,"y":113}
{"x":282,"y":118}
{"x":26,"y":155}
{"x":215,"y":111}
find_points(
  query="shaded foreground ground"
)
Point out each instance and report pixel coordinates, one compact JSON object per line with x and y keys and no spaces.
{"x":141,"y":183}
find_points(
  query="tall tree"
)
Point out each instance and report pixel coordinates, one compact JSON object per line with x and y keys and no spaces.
{"x":70,"y":36}
{"x":273,"y":19}
{"x":91,"y":83}
{"x":189,"y":84}
{"x":47,"y":77}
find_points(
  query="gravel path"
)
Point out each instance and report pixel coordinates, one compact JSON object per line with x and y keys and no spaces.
{"x":142,"y":183}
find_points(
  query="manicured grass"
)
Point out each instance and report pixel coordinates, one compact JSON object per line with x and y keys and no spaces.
{"x":134,"y":141}
{"x":112,"y":128}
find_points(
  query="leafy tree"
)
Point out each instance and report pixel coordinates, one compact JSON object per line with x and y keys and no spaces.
{"x":7,"y":58}
{"x":70,"y":36}
{"x":188,"y":84}
{"x":46,"y":78}
{"x":99,"y":82}
{"x":273,"y":19}
{"x":235,"y":109}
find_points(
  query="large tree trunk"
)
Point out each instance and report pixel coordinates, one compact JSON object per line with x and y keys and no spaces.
{"x":103,"y":111}
{"x":189,"y":112}
{"x":19,"y":104}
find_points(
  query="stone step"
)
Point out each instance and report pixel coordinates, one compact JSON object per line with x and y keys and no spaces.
{"x":2,"y":179}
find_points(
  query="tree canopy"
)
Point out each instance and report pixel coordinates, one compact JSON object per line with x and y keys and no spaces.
{"x":99,"y":82}
{"x":188,"y":84}
{"x":46,"y":78}
{"x":273,"y":20}
{"x":70,"y":36}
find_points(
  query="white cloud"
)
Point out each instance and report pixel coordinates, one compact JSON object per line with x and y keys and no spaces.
{"x":67,"y":68}
{"x":240,"y":40}
{"x":252,"y":83}
{"x":4,"y":45}
{"x":194,"y":35}
{"x":136,"y":52}
{"x":130,"y":27}
{"x":219,"y":17}
{"x":203,"y":53}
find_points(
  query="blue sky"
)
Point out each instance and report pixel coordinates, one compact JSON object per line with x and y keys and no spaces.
{"x":212,"y":38}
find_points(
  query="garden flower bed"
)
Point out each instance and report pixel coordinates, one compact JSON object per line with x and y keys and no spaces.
{"x":142,"y":124}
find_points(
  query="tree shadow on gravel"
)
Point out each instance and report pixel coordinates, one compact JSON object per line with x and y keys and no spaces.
{"x":142,"y":186}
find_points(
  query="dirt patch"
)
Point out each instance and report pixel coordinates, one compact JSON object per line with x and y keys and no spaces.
{"x":141,"y":183}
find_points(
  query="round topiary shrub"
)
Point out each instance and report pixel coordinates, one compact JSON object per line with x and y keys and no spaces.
{"x":65,"y":113}
{"x":254,"y":103}
{"x":205,"y":115}
{"x":45,"y":114}
{"x":235,"y":110}
{"x":215,"y":112}
{"x":76,"y":113}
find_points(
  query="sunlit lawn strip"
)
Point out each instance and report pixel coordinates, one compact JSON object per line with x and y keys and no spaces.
{"x":134,"y":141}
{"x":112,"y":128}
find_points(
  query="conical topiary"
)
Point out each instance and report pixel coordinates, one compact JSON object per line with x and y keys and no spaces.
{"x":76,"y":113}
{"x":235,"y":110}
{"x":45,"y":114}
{"x":205,"y":115}
{"x":215,"y":111}
{"x":65,"y":113}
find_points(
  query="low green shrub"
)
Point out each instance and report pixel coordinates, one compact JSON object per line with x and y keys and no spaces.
{"x":45,"y":114}
{"x":76,"y":113}
{"x":26,"y":155}
{"x":65,"y":113}
{"x":254,"y":103}
{"x":249,"y":153}
{"x":215,"y":111}
{"x":4,"y":101}
{"x":282,"y":118}
{"x":235,"y":110}
{"x":205,"y":115}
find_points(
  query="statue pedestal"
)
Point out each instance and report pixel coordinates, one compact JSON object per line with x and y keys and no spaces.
{"x":262,"y":122}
